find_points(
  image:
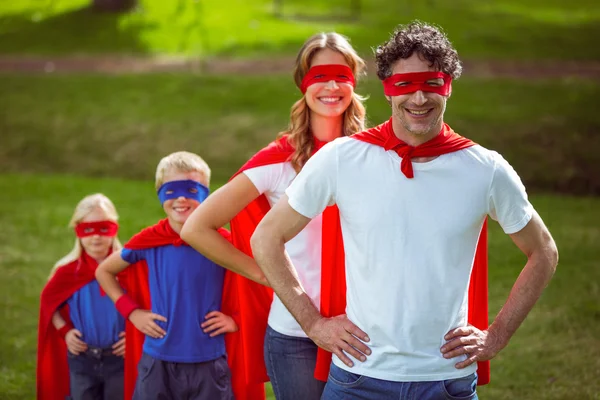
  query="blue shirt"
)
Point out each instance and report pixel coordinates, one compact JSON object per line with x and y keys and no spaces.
{"x":95,"y":316}
{"x":184,"y":287}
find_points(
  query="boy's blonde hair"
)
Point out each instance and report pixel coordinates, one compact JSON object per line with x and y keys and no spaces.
{"x":83,"y":208}
{"x":182,"y":161}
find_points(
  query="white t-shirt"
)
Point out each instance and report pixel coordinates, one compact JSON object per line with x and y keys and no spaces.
{"x":304,"y":249}
{"x":410,"y":244}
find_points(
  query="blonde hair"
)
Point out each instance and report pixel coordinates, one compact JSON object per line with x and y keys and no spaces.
{"x":87,"y":205}
{"x":182,"y":161}
{"x":298,"y":131}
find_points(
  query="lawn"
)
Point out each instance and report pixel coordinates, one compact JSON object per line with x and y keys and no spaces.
{"x":122,"y":125}
{"x":502,"y":29}
{"x":555,"y":354}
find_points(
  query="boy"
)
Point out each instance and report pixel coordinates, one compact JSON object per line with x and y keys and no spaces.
{"x":184,"y":350}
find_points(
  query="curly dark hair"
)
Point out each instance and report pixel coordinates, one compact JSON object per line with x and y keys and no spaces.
{"x":427,"y":40}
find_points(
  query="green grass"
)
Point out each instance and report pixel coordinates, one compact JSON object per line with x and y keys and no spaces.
{"x":122,"y":125}
{"x":555,"y":354}
{"x":502,"y":29}
{"x":34,"y":236}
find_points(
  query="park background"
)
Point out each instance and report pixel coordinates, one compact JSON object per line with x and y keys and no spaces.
{"x":91,"y":99}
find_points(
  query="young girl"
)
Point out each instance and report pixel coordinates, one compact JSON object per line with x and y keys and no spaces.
{"x":325,"y":72}
{"x":81,"y":338}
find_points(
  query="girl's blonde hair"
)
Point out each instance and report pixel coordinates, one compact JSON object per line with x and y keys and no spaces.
{"x":299,"y":134}
{"x":83,"y":208}
{"x":182,"y":161}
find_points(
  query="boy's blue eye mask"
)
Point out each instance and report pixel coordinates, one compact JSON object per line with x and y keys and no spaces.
{"x":189,"y":189}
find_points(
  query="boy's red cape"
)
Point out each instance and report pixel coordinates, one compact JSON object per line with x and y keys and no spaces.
{"x":254,"y":300}
{"x":52,"y":368}
{"x":135,"y":278}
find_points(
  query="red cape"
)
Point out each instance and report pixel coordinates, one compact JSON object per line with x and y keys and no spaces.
{"x":52,"y":367}
{"x":136,"y":279}
{"x":446,"y":142}
{"x":254,"y":300}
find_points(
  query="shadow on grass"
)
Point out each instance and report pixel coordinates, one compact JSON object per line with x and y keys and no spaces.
{"x":78,"y":32}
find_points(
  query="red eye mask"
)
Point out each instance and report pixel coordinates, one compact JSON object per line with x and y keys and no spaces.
{"x":399,"y":84}
{"x":326,"y":73}
{"x":102,"y":228}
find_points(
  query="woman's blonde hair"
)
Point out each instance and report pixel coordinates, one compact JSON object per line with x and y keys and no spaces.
{"x":83,"y":208}
{"x":299,"y":134}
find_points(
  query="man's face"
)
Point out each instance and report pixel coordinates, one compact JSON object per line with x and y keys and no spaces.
{"x":419,"y":113}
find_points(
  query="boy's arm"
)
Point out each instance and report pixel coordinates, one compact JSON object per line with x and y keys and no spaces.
{"x":106,"y":275}
{"x":144,"y":320}
{"x":217,"y":323}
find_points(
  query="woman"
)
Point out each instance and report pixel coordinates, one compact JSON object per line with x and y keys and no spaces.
{"x":325,"y":72}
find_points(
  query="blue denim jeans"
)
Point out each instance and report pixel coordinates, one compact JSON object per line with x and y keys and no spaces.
{"x":290,"y":365}
{"x":348,"y":386}
{"x":96,"y":375}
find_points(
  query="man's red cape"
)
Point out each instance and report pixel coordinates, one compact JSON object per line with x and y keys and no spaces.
{"x":135,"y":278}
{"x":52,"y":367}
{"x":446,"y":142}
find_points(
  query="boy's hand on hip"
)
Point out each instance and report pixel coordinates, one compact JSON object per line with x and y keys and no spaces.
{"x":74,"y":343}
{"x":119,"y":346}
{"x":218,"y":323}
{"x":476,"y":344}
{"x":340,"y":336}
{"x":143,"y":320}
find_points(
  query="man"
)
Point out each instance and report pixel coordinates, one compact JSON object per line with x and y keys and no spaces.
{"x":412,"y":196}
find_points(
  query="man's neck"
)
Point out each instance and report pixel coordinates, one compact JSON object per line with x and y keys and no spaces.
{"x":415,"y":139}
{"x":326,"y":129}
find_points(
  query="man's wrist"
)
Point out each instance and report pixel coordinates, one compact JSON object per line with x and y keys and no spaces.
{"x":311,"y":323}
{"x":498,"y":337}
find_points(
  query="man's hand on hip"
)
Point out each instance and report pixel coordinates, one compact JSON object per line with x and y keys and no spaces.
{"x":476,"y":344}
{"x":340,"y":336}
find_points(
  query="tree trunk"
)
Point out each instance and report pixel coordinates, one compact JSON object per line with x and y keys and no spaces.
{"x":113,"y":5}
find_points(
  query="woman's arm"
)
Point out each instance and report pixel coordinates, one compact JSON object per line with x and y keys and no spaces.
{"x":200,"y":230}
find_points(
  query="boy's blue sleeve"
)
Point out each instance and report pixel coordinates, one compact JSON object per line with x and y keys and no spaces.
{"x":132,"y":256}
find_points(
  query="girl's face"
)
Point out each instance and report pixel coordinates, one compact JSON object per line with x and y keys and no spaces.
{"x":97,"y":246}
{"x":329,"y":99}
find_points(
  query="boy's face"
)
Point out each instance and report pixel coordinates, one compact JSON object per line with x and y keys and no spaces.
{"x":178,"y":210}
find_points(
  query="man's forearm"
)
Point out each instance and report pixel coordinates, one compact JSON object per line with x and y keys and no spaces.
{"x":526,"y":291}
{"x":270,"y":255}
